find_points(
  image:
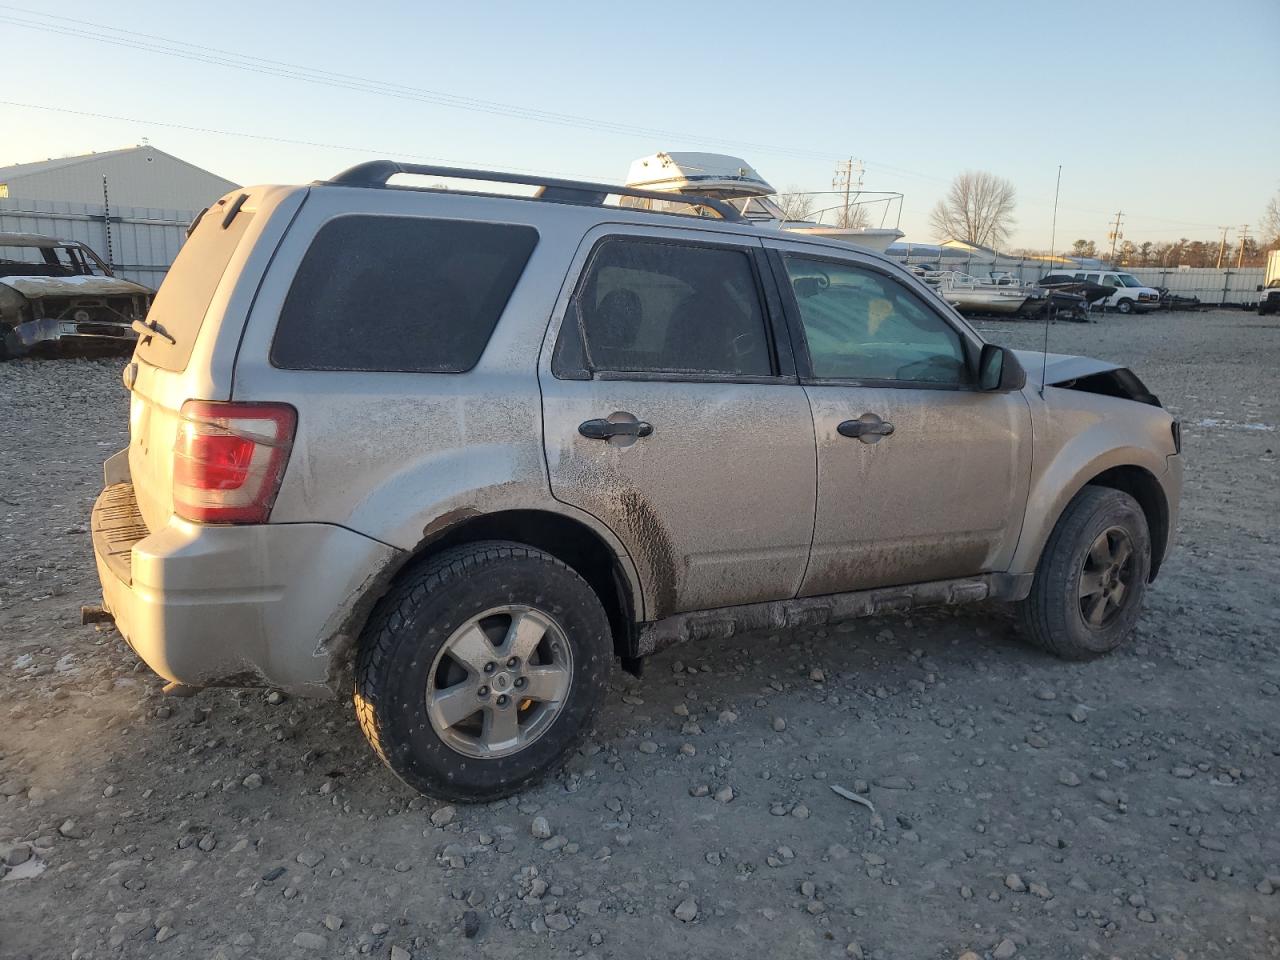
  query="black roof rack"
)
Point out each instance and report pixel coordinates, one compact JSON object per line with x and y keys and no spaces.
{"x":376,"y":173}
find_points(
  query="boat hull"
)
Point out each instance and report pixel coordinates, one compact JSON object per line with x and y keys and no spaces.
{"x":983,"y":301}
{"x":877,"y":239}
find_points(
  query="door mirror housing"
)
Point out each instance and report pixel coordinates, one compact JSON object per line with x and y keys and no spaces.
{"x":999,"y":370}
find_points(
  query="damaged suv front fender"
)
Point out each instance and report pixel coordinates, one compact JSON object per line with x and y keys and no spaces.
{"x":1096,"y":422}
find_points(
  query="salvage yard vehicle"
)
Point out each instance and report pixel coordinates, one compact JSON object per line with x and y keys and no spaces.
{"x":458,"y":451}
{"x":1269,"y":289}
{"x":1130,"y":295}
{"x":59,"y":294}
{"x":1269,"y":298}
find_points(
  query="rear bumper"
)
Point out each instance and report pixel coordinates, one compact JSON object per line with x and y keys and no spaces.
{"x":269,"y":605}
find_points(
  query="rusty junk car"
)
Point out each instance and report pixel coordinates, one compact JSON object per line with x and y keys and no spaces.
{"x":58,"y":294}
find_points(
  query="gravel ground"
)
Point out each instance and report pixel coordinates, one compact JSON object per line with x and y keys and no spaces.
{"x":1024,"y":807}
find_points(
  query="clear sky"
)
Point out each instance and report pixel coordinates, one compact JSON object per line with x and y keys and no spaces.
{"x":1167,"y":110}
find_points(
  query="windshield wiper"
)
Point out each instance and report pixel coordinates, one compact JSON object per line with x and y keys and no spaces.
{"x":152,"y":327}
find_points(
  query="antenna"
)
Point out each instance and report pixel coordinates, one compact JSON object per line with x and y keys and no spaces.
{"x":1053,"y":239}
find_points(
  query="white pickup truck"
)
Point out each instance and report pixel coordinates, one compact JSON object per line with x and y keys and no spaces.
{"x":1269,"y":291}
{"x":1131,"y":296}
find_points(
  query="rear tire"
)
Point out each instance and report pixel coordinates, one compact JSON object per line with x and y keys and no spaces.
{"x":1099,"y":552}
{"x":453,"y":626}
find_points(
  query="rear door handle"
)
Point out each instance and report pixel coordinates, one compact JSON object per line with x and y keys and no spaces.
{"x":601,"y":429}
{"x":868,"y":428}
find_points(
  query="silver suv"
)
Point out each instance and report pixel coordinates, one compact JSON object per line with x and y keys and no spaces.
{"x":459,"y":451}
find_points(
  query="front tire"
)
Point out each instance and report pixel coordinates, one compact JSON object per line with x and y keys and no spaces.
{"x":1125,"y":306}
{"x":1092,"y":577}
{"x":481,"y":670}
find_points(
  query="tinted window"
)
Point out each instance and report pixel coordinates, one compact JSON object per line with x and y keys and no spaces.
{"x":860,"y":325}
{"x":656,"y":307}
{"x":399,"y":294}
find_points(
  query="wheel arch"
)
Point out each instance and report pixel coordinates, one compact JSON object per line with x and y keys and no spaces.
{"x":1106,"y":451}
{"x":1142,"y":485}
{"x":584,"y":549}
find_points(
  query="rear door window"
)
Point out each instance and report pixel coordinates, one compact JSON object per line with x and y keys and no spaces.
{"x":399,"y":294}
{"x":661,"y":307}
{"x":184,"y":297}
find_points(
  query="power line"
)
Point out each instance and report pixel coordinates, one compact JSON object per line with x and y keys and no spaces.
{"x":215,"y":56}
{"x":363,"y":149}
{"x":164,"y":46}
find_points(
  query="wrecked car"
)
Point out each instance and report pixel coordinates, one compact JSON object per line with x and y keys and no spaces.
{"x":58,"y":295}
{"x":452,"y":455}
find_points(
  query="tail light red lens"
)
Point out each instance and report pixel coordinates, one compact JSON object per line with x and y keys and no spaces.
{"x":229,"y":459}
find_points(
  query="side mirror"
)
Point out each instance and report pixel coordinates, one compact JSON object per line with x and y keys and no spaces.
{"x":1259,"y":288}
{"x":999,"y":370}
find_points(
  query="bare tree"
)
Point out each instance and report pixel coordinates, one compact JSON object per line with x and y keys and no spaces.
{"x":1271,"y":221}
{"x":978,"y":208}
{"x":852,"y":217}
{"x":795,"y":204}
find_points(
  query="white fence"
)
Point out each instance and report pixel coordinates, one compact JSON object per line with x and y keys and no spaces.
{"x":1227,"y":286}
{"x":139,"y":243}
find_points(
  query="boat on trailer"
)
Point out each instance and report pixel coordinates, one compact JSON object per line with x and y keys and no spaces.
{"x":970,"y":294}
{"x":830,"y":215}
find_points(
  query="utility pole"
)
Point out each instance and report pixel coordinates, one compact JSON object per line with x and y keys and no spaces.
{"x":1222,"y":246}
{"x":1244,"y":235}
{"x":844,"y":180}
{"x":1115,"y":235}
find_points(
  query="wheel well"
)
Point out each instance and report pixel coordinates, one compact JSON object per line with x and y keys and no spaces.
{"x":1144,"y":488}
{"x":567,"y":540}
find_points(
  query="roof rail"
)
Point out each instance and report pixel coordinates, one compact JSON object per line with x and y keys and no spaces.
{"x":376,"y":173}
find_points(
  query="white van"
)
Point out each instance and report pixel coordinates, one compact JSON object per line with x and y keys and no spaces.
{"x":1131,"y":296}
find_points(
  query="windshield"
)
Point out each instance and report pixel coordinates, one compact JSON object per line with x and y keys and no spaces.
{"x":1129,"y":280}
{"x":758,"y":208}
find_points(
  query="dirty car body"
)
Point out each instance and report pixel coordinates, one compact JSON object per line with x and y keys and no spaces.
{"x":489,"y":433}
{"x":58,"y":294}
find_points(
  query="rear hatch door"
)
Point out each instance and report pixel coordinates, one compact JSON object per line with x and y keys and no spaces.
{"x":196,"y":323}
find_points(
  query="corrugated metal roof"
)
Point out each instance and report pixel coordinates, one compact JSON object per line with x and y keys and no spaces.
{"x":17,"y":170}
{"x":43,"y":166}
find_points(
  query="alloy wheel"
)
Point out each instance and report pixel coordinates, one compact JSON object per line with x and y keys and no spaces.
{"x":1106,"y":577}
{"x":499,"y":681}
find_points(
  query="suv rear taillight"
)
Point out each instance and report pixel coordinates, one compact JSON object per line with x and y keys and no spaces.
{"x":229,"y":458}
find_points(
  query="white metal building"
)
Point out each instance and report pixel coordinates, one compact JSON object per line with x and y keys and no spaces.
{"x":136,"y":220}
{"x":136,"y":177}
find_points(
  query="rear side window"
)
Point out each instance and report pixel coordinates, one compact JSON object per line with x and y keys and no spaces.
{"x":399,"y":294}
{"x":657,"y":307}
{"x":184,"y":297}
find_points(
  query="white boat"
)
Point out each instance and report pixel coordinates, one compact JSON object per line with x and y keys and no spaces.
{"x":843,"y":215}
{"x":973,"y":295}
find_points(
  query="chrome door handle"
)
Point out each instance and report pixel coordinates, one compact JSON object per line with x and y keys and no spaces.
{"x":868,"y":428}
{"x":601,"y":429}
